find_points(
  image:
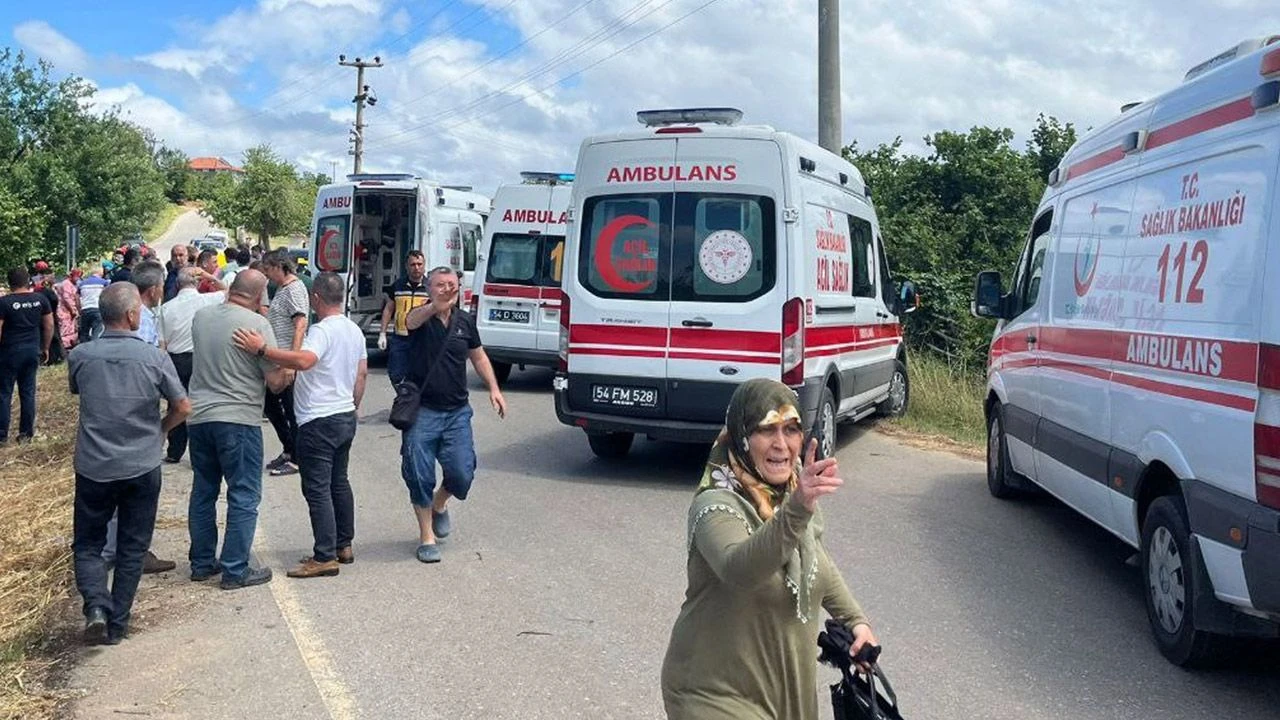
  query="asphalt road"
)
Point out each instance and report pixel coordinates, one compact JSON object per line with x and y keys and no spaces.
{"x":186,"y":227}
{"x":559,"y":586}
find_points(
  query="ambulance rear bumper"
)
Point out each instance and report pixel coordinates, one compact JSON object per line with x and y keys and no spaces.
{"x":523,"y":356}
{"x":653,"y":428}
{"x":1214,"y":512}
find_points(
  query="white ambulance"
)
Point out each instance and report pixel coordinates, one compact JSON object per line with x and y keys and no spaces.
{"x":1135,"y":370}
{"x":701,"y":254}
{"x":364,"y":228}
{"x":516,"y":288}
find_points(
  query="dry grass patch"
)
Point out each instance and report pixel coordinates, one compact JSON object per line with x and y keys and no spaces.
{"x":946,"y":405}
{"x":35,"y":549}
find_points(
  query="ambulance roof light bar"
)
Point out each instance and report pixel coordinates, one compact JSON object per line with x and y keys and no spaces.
{"x":357,"y":177}
{"x":1239,"y":50}
{"x":715,"y":115}
{"x":545,"y":178}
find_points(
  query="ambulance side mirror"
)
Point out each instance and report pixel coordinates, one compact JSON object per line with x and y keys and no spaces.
{"x":988,"y":298}
{"x":908,"y":298}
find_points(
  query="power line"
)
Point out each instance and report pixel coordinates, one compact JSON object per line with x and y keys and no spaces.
{"x":574,"y":74}
{"x":608,"y":31}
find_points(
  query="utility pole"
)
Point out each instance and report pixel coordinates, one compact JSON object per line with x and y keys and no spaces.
{"x":363,"y":95}
{"x":829,"y":120}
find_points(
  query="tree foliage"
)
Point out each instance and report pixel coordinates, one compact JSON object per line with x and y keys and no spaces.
{"x":272,"y":198}
{"x":63,"y":164}
{"x":964,"y":207}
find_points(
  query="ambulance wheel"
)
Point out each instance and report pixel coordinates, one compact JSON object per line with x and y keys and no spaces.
{"x":1169,"y":578}
{"x":899,"y":392}
{"x":501,"y":371}
{"x":824,"y":424}
{"x":610,"y":446}
{"x":1000,"y":480}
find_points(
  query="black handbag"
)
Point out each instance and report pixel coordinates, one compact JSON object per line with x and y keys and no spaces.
{"x":859,"y":695}
{"x":404,"y":408}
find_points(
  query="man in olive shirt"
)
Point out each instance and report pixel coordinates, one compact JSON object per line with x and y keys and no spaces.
{"x":226,"y":435}
{"x":117,"y":458}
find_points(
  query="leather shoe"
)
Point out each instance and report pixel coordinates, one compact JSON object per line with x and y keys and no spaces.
{"x":251,"y":577}
{"x":311,"y":567}
{"x":202,"y":576}
{"x":95,"y":626}
{"x":345,"y":556}
{"x":152,"y":564}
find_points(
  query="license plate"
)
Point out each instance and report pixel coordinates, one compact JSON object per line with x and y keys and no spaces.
{"x":623,"y":396}
{"x":508,"y":316}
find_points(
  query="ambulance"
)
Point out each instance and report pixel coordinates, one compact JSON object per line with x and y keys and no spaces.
{"x":702,"y":253}
{"x":516,"y":286}
{"x":364,"y":228}
{"x":1135,"y":369}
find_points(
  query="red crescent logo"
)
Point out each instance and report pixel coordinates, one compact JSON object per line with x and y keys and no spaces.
{"x":327,"y":253}
{"x":604,"y":254}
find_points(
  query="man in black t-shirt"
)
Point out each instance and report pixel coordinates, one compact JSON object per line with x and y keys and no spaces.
{"x":26,"y":329}
{"x":444,"y":338}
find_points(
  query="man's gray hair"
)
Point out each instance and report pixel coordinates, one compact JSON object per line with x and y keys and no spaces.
{"x":187,"y":278}
{"x":442,"y":270}
{"x":148,"y":275}
{"x":329,"y":288}
{"x":115,"y":302}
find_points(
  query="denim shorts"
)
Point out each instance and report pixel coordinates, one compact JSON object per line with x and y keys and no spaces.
{"x":444,"y":437}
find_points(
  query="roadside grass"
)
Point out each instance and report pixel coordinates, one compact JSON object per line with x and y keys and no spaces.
{"x":164,"y":219}
{"x":35,"y":550}
{"x":946,"y":402}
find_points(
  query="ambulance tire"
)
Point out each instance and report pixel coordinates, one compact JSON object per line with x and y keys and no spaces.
{"x":1166,"y":552}
{"x":501,"y":371}
{"x":1001,"y":482}
{"x":899,"y":399}
{"x":610,"y":446}
{"x":824,"y":424}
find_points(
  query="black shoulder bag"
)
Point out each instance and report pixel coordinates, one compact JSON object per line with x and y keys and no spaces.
{"x":856,"y":696}
{"x":404,"y":409}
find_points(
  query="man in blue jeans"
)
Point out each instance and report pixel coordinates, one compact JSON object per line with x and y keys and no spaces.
{"x":117,"y":460}
{"x":444,"y":338}
{"x":26,"y":329}
{"x":225,"y":433}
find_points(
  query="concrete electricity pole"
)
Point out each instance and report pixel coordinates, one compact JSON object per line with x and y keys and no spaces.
{"x":829,"y":120}
{"x":362,"y":96}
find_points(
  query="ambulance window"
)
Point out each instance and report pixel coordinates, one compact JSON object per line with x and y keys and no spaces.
{"x":1036,"y":271}
{"x":455,"y":247}
{"x":862,"y":282}
{"x":887,"y":291}
{"x":513,"y":259}
{"x":470,"y":242}
{"x":1031,"y":266}
{"x":725,"y":249}
{"x":624,"y":247}
{"x":332,"y":249}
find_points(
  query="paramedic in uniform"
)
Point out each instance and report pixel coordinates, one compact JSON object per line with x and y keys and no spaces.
{"x":444,"y":337}
{"x":404,"y":295}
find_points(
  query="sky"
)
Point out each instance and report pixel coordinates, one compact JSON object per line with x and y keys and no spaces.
{"x":474,"y":91}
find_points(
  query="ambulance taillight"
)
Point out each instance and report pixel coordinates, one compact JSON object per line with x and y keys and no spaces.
{"x":1266,"y":437}
{"x":563,"y":364}
{"x":793,"y":342}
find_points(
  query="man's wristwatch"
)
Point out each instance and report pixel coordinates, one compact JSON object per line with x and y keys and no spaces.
{"x":262,"y":351}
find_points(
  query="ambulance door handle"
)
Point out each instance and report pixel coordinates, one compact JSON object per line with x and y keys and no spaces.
{"x":696,"y":322}
{"x":1031,"y":339}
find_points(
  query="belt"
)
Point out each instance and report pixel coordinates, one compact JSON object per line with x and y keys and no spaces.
{"x":191,"y":352}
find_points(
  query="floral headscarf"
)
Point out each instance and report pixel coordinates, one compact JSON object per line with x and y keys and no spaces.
{"x":729,"y":467}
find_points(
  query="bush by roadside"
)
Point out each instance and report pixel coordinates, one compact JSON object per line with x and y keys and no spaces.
{"x":35,"y":550}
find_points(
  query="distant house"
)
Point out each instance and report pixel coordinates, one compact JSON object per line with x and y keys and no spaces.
{"x":213,"y":165}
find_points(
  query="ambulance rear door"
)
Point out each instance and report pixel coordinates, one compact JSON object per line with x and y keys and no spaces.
{"x":331,"y":239}
{"x":510,"y":312}
{"x":550,"y":293}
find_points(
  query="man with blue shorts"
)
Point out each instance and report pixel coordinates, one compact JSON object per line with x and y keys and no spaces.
{"x":444,"y":337}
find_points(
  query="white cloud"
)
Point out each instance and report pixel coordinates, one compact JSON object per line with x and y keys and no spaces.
{"x":460,"y":110}
{"x":41,"y":39}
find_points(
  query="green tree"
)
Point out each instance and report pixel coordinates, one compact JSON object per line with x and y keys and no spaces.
{"x":964,"y":207}
{"x":271,"y":198}
{"x":174,"y":167}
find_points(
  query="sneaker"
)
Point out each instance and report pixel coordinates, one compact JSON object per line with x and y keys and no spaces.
{"x":280,"y":459}
{"x":310,"y":568}
{"x":285,"y":468}
{"x":441,"y":525}
{"x":251,"y":577}
{"x":428,"y":554}
{"x":346,"y":556}
{"x":152,"y":564}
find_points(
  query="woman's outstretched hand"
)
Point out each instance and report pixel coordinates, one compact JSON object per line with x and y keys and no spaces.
{"x":817,"y":477}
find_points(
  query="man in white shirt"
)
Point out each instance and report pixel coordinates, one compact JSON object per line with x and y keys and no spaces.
{"x":173,"y":323}
{"x":333,"y":367}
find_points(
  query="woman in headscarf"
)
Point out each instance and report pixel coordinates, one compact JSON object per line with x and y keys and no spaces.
{"x":69,"y":308}
{"x":745,"y":642}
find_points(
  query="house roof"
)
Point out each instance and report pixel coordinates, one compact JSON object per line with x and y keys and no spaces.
{"x":212,"y":164}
